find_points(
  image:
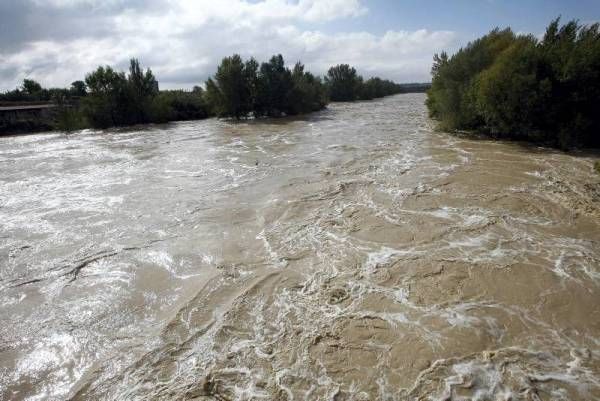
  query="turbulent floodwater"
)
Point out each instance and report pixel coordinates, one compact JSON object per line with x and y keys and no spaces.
{"x":353,"y":254}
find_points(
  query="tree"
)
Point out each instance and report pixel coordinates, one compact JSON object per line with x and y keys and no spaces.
{"x":272,"y":90}
{"x":78,"y":88}
{"x":252,"y":83}
{"x":451,"y":98}
{"x":142,"y":88}
{"x":104,"y":107}
{"x":116,"y":99}
{"x":307,"y":93}
{"x":514,"y":86}
{"x":343,"y":83}
{"x":509,"y":92}
{"x":274,"y":85}
{"x":31,"y":87}
{"x":142,"y":83}
{"x":229,"y":92}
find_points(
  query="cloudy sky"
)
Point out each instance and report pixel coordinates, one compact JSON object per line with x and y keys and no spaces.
{"x":58,"y":41}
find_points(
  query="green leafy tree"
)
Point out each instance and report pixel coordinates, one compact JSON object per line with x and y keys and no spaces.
{"x":307,"y":94}
{"x":116,"y":99}
{"x":108,"y":97}
{"x":274,"y":86}
{"x":141,"y":89}
{"x":343,"y":83}
{"x":451,"y":98}
{"x":229,"y":92}
{"x":252,"y":83}
{"x":509,"y":93}
{"x":514,"y":86}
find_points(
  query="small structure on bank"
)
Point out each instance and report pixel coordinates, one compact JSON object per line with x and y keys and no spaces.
{"x":16,"y":118}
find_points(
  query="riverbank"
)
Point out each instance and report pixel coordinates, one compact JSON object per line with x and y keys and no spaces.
{"x":187,"y":107}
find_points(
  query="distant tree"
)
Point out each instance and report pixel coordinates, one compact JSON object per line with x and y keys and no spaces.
{"x":142,"y":83}
{"x":439,"y":62}
{"x":78,"y":88}
{"x":307,"y":94}
{"x":142,"y":88}
{"x":31,"y":87}
{"x":252,"y":84}
{"x":343,"y":83}
{"x":106,"y":105}
{"x":274,"y":85}
{"x":229,"y":92}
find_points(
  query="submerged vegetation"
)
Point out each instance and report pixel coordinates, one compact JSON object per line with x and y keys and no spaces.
{"x":239,"y":89}
{"x":518,"y":87}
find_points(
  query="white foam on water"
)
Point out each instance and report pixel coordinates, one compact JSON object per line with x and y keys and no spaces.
{"x":484,"y":380}
{"x":380,"y":257}
{"x":274,"y":256}
{"x":559,"y":269}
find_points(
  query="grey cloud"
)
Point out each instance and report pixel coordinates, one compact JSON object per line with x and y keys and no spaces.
{"x":27,"y":20}
{"x":58,"y":41}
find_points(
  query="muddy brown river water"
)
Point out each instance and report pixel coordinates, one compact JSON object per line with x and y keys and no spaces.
{"x":353,"y":254}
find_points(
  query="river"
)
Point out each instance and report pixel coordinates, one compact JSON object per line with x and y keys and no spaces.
{"x":349,"y":255}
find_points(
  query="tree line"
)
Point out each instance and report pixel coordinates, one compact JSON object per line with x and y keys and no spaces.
{"x":238,"y":89}
{"x":345,"y":85}
{"x":517,"y":86}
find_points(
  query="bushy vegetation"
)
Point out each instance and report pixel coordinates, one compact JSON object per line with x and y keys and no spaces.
{"x":239,"y":89}
{"x":516,"y":86}
{"x":345,"y":85}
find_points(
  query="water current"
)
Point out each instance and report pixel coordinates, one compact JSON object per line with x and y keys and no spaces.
{"x":348,"y":255}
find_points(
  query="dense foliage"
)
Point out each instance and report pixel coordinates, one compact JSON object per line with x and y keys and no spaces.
{"x":115,"y":99}
{"x":516,"y":86}
{"x":241,"y":88}
{"x":345,"y":85}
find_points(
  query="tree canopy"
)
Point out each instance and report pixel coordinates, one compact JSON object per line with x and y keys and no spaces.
{"x":240,"y":88}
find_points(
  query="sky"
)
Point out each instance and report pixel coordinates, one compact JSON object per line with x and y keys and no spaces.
{"x":58,"y":41}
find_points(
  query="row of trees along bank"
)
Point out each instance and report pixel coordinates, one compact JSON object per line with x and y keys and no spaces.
{"x":239,"y":89}
{"x":516,"y":86}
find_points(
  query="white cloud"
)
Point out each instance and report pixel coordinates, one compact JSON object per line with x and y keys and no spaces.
{"x":184,"y":40}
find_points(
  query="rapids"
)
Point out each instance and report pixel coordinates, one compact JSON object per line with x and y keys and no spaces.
{"x":350,"y":254}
